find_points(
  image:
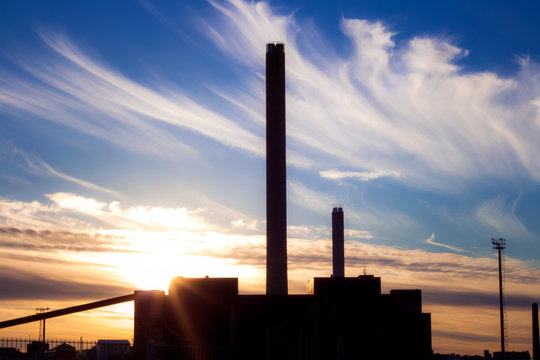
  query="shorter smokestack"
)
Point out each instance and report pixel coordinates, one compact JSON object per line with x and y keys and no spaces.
{"x":535,"y":333}
{"x":338,"y":243}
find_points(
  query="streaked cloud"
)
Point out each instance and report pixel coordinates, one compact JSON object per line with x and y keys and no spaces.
{"x":77,"y":91}
{"x":499,"y":216}
{"x":406,"y":107}
{"x":370,"y":218}
{"x":358,"y":234}
{"x":476,"y":299}
{"x":241,"y":224}
{"x":35,"y":165}
{"x":360,"y":175}
{"x":309,"y":198}
{"x":41,"y":167}
{"x":431,"y":240}
{"x":76,"y":202}
{"x":32,"y":241}
{"x":23,"y":286}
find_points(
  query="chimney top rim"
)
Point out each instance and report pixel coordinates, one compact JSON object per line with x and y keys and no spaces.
{"x":275,"y":46}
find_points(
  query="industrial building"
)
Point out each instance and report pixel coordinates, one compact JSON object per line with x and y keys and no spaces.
{"x":339,"y":317}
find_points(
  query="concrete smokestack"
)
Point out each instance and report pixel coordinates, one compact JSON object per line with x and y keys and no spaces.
{"x":535,"y":333}
{"x":276,"y":177}
{"x":338,"y":243}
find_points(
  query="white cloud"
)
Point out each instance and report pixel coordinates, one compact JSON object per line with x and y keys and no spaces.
{"x":253,"y":25}
{"x":500,"y":217}
{"x":74,"y":212}
{"x":360,"y":175}
{"x":33,"y":213}
{"x":358,"y":234}
{"x":241,"y":224}
{"x":407,"y":107}
{"x":428,"y":56}
{"x":308,"y":232}
{"x":35,"y":165}
{"x":38,"y":166}
{"x":85,"y":95}
{"x":312,"y":232}
{"x":369,"y":217}
{"x":431,"y":240}
{"x":308,"y":198}
{"x":76,"y":202}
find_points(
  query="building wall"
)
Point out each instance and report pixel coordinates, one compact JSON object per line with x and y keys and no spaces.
{"x":343,"y":318}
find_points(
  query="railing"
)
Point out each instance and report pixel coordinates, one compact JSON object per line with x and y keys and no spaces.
{"x":21,"y":344}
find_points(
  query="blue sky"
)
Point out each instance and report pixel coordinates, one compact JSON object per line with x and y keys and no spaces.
{"x":131,"y":132}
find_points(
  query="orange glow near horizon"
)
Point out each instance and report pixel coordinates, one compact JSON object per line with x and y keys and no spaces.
{"x":146,"y":260}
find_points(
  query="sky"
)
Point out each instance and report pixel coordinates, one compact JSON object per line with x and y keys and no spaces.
{"x":132,"y":150}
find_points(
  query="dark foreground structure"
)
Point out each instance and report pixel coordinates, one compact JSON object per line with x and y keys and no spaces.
{"x":339,"y":317}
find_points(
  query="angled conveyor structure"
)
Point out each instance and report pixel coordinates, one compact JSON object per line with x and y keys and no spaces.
{"x":67,"y":311}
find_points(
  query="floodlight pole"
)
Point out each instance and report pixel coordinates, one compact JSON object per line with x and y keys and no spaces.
{"x":499,"y":244}
{"x":41,"y":310}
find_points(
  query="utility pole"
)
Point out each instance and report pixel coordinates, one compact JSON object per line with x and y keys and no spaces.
{"x":500,"y":244}
{"x":535,"y":332}
{"x":41,"y":310}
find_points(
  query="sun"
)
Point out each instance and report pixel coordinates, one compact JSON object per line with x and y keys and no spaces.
{"x":153,"y":263}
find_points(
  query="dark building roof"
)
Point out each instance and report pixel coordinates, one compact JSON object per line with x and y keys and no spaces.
{"x":342,"y":318}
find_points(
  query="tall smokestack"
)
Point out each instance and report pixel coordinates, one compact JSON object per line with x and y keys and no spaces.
{"x":535,"y":334}
{"x":276,"y":193}
{"x":338,"y":243}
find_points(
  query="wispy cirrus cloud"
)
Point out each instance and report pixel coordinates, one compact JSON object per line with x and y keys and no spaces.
{"x":431,"y":240}
{"x":23,"y":286}
{"x":35,"y":241}
{"x":360,"y":175}
{"x":41,"y":167}
{"x":369,"y":218}
{"x":406,"y":107}
{"x":73,"y":89}
{"x":35,"y":165}
{"x":499,"y":216}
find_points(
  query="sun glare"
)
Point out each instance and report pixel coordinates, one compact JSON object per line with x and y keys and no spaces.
{"x":157,"y":258}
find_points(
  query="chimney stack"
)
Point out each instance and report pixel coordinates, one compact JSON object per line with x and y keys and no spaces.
{"x":338,"y":243}
{"x":276,"y":195}
{"x":535,"y":334}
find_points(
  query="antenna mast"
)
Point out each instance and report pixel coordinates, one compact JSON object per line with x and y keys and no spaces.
{"x":500,"y":244}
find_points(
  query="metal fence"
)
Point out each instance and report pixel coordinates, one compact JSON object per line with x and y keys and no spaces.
{"x":22,"y":344}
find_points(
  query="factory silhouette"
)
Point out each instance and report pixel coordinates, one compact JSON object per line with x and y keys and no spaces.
{"x":339,"y":318}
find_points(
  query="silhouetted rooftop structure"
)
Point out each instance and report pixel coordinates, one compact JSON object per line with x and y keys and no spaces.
{"x":342,"y":318}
